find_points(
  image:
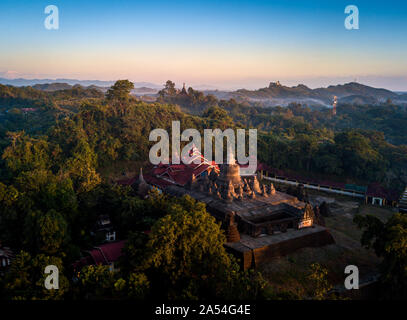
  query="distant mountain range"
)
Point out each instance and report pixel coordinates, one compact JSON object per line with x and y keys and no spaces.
{"x":65,"y":86}
{"x":85,"y":83}
{"x":278,"y":94}
{"x":273,"y":95}
{"x":52,"y":86}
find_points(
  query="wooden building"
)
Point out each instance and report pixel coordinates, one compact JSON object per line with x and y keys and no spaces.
{"x":6,"y":257}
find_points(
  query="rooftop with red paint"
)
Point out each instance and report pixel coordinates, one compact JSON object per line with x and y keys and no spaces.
{"x":103,"y":254}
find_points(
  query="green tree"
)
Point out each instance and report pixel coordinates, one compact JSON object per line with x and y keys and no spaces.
{"x":25,"y":279}
{"x":138,"y":286}
{"x":81,"y":166}
{"x":389,"y":240}
{"x":219,"y":118}
{"x":8,"y":195}
{"x":26,"y":153}
{"x":97,"y":282}
{"x":119,"y":95}
{"x":47,"y":191}
{"x":187,"y":257}
{"x":46,"y":233}
{"x":134,"y":253}
{"x":358,"y":156}
{"x":319,"y":282}
{"x":169,"y":89}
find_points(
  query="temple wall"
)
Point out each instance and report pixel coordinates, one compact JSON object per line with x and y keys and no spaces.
{"x":253,"y":257}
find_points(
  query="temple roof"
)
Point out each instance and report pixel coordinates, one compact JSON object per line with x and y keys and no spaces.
{"x":103,"y":254}
{"x":180,"y":174}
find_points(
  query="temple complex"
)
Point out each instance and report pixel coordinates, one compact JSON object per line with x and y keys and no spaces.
{"x":255,"y":216}
{"x":258,"y":208}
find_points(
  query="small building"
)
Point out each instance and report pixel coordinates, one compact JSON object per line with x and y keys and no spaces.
{"x":104,"y":230}
{"x":374,"y":193}
{"x":6,"y":256}
{"x":380,"y":196}
{"x":274,"y":84}
{"x":106,"y":254}
{"x":403,"y":202}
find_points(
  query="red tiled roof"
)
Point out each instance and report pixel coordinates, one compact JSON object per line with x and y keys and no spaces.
{"x":154,"y":181}
{"x":97,"y":257}
{"x":112,"y":251}
{"x":180,"y":174}
{"x":103,"y":254}
{"x":164,"y":175}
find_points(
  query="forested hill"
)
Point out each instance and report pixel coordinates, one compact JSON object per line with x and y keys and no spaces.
{"x":35,"y":111}
{"x":389,"y":118}
{"x":81,"y":128}
{"x":53,"y":188}
{"x":278,"y":94}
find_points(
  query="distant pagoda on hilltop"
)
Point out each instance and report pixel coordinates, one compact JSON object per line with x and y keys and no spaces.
{"x":275,"y":84}
{"x":184,"y":90}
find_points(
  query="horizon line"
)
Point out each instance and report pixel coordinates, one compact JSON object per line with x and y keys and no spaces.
{"x":206,"y":86}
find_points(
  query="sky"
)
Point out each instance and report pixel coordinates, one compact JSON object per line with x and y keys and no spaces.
{"x":225,"y":44}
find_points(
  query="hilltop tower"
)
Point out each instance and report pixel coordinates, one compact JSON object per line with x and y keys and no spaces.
{"x":334,"y":105}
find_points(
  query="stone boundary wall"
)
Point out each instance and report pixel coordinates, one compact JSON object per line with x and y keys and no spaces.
{"x":251,"y":258}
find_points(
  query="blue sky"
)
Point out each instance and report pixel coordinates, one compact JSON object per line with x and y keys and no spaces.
{"x":222,"y":43}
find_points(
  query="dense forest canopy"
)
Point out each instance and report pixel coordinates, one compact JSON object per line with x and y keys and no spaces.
{"x":57,"y":146}
{"x":361,"y":143}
